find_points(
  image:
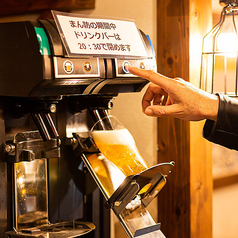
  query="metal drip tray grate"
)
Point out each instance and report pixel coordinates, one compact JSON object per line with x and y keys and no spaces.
{"x":65,"y":229}
{"x":66,"y":225}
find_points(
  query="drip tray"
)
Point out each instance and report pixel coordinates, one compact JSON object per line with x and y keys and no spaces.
{"x":65,"y":229}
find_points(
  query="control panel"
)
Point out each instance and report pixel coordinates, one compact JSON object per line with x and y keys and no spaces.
{"x":121,"y":66}
{"x":76,"y":68}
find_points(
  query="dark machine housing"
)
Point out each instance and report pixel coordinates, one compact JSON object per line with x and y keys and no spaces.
{"x":45,"y":98}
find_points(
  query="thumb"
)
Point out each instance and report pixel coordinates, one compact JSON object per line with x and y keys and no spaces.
{"x":161,"y":111}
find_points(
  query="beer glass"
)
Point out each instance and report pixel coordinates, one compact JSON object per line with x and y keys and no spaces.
{"x":117,"y":144}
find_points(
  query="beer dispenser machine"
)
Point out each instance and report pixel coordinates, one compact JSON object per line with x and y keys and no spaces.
{"x":57,"y":78}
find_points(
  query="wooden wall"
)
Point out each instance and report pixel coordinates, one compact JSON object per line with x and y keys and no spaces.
{"x":16,"y":7}
{"x":185,"y":203}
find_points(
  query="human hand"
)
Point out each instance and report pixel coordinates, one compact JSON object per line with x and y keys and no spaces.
{"x":167,"y":97}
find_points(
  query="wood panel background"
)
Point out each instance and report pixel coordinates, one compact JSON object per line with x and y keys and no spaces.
{"x":17,"y":7}
{"x":185,"y":203}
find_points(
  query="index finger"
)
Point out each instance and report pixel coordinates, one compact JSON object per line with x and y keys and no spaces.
{"x":152,"y":76}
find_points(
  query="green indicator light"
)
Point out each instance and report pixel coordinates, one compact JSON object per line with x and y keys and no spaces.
{"x":43,"y":41}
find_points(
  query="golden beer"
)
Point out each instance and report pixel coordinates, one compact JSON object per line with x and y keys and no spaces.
{"x":119,"y":147}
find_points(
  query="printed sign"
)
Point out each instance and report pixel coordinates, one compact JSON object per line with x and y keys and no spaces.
{"x":94,"y":36}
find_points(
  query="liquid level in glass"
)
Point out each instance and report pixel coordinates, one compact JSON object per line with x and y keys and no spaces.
{"x":119,"y":147}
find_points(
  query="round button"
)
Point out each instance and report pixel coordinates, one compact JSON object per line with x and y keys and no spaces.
{"x":68,"y":67}
{"x":87,"y":66}
{"x":124,"y":66}
{"x":142,"y":65}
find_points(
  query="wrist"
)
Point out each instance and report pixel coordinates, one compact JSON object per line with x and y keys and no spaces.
{"x":213,"y":105}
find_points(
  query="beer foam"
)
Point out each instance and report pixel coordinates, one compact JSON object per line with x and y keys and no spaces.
{"x":121,"y":136}
{"x":119,"y":147}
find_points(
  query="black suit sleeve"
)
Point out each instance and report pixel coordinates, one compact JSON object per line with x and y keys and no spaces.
{"x":225,"y":130}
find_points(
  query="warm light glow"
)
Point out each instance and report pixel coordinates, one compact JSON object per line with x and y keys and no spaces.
{"x":145,"y":188}
{"x":227,"y":42}
{"x":219,"y":57}
{"x":20,"y":180}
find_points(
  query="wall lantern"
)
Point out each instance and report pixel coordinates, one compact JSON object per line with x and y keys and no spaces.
{"x":219,"y":66}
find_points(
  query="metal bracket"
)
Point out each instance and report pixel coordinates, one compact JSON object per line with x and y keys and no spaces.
{"x":31,"y":148}
{"x":81,"y":145}
{"x":146,"y":184}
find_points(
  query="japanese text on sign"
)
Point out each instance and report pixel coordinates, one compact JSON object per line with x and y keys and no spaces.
{"x":99,"y":36}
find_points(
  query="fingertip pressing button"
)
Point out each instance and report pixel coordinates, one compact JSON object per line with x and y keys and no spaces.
{"x":125,"y":68}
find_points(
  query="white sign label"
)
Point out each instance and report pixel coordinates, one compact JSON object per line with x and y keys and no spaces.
{"x":87,"y":36}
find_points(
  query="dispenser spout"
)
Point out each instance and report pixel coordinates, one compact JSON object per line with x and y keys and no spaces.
{"x":45,"y":125}
{"x":98,"y":115}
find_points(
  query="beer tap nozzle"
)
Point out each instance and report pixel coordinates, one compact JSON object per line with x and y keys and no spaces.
{"x":98,"y":115}
{"x":45,"y":125}
{"x":39,"y":121}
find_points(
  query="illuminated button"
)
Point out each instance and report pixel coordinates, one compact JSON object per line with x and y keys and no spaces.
{"x":68,"y":67}
{"x":124,"y":66}
{"x":142,"y":65}
{"x":87,"y":66}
